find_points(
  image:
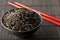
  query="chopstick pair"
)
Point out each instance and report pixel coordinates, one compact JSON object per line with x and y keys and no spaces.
{"x":46,"y":17}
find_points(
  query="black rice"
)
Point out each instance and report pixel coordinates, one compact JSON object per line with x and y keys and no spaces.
{"x":21,"y":19}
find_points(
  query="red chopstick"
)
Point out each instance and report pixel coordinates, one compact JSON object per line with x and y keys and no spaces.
{"x":18,"y":5}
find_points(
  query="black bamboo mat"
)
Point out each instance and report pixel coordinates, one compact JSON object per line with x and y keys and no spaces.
{"x":47,"y":30}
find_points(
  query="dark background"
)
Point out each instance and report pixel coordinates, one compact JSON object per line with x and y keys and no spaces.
{"x":47,"y":30}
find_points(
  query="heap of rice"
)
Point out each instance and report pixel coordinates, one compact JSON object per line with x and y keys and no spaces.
{"x":21,"y":19}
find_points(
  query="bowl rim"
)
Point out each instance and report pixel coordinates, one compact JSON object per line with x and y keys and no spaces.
{"x":21,"y":31}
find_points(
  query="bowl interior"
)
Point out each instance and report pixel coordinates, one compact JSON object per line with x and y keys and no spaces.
{"x":23,"y":25}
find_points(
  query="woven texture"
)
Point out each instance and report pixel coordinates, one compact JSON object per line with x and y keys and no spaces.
{"x":47,"y":30}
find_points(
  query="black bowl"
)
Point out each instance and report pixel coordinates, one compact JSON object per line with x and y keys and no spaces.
{"x":22,"y":34}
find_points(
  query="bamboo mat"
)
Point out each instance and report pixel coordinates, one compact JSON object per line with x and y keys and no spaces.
{"x":47,"y":30}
